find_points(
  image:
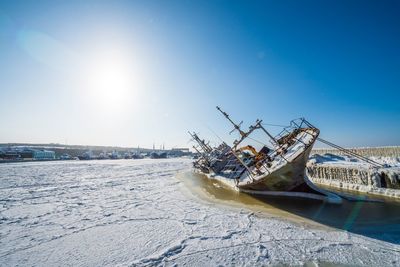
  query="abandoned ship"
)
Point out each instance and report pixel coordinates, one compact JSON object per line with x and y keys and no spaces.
{"x":275,"y":170}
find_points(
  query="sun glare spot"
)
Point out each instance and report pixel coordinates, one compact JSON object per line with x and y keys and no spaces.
{"x":110,"y":82}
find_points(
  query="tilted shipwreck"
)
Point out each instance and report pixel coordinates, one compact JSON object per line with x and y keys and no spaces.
{"x":277,"y":170}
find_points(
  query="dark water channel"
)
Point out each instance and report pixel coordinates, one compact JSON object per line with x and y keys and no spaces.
{"x":378,"y":219}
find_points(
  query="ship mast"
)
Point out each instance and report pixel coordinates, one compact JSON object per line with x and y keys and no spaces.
{"x":243,"y":134}
{"x":237,"y":126}
{"x":204,"y":146}
{"x":201,"y":153}
{"x":195,"y":148}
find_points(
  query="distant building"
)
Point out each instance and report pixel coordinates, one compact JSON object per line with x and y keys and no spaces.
{"x":25,"y":152}
{"x":9,"y":155}
{"x":179,"y":152}
{"x":183,"y":149}
{"x":43,"y":154}
{"x":115,"y":155}
{"x":65,"y":156}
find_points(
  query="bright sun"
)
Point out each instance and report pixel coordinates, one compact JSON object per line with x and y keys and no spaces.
{"x":110,"y":81}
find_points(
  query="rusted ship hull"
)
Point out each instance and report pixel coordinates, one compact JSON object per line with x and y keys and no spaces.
{"x":289,"y":180}
{"x":292,"y":181}
{"x":290,"y":177}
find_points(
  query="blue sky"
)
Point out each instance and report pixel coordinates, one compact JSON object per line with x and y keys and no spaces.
{"x":141,"y":72}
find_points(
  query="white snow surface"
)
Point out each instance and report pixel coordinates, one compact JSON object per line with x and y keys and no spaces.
{"x":136,"y":213}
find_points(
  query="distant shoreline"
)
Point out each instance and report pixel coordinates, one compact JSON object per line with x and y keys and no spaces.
{"x":28,"y":160}
{"x":85,"y":147}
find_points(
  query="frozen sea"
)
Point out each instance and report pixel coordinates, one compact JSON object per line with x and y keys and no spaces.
{"x":143,"y":213}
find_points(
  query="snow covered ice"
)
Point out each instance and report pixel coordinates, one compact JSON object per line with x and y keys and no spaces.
{"x":138,"y":213}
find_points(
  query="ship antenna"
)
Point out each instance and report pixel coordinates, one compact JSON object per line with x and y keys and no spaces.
{"x":237,"y":126}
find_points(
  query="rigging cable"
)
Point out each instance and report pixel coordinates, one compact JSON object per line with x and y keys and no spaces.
{"x":351,"y":153}
{"x":275,"y":125}
{"x":211,"y":130}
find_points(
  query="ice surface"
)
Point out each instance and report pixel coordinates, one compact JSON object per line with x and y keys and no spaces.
{"x":135,"y":213}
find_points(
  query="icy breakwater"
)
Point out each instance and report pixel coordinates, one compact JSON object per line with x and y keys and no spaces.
{"x":385,"y":151}
{"x":137,"y":213}
{"x":349,"y":173}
